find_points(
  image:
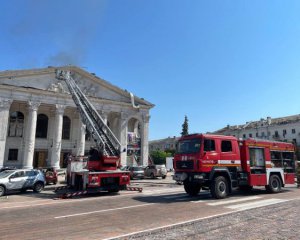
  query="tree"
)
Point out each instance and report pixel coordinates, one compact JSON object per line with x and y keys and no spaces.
{"x":185,"y":127}
{"x":159,"y":157}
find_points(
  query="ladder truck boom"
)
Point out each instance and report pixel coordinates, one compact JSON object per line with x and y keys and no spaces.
{"x":105,"y":140}
{"x":99,"y":171}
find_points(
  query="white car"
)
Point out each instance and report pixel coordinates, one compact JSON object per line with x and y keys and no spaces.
{"x":154,"y":171}
{"x":21,"y":179}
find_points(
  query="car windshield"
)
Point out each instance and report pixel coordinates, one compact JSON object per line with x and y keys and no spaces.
{"x":6,"y":173}
{"x":137,"y":169}
{"x":189,"y":146}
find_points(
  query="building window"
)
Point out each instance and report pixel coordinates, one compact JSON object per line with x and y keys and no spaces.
{"x":226,"y":146}
{"x":263,"y":134}
{"x":256,"y":134}
{"x":284,"y":132}
{"x":13,"y":155}
{"x":276,"y":134}
{"x":244,"y":135}
{"x":293,"y":131}
{"x":66,"y":128}
{"x":41,"y":126}
{"x":16,"y":124}
{"x":250,"y":135}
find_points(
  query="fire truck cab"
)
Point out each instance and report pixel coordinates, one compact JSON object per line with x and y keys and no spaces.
{"x":223,"y":163}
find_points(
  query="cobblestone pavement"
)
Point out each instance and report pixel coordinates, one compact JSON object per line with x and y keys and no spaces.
{"x":279,"y":221}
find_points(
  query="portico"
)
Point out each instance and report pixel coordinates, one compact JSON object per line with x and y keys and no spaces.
{"x":40,"y":124}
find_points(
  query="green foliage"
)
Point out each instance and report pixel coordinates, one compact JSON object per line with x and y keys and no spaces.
{"x":159,"y":157}
{"x":170,"y":152}
{"x":185,"y":127}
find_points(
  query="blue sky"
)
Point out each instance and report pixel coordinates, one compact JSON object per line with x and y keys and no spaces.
{"x":218,"y":62}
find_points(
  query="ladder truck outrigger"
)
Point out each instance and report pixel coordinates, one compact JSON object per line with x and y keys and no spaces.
{"x":100,"y":171}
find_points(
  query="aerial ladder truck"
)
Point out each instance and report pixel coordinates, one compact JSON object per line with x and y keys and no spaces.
{"x":100,"y":171}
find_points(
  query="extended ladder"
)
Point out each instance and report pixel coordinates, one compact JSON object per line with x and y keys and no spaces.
{"x":105,"y":140}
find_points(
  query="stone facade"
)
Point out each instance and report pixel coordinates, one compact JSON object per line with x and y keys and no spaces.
{"x":40,"y":124}
{"x":277,"y":129}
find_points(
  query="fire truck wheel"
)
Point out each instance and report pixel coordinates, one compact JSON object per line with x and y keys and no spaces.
{"x":192,"y":189}
{"x":274,"y":184}
{"x":219,"y":187}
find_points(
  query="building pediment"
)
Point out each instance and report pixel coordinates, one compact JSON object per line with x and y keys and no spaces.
{"x":93,"y":86}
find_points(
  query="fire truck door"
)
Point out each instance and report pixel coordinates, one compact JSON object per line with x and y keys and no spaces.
{"x":228,"y":154}
{"x":210,"y":156}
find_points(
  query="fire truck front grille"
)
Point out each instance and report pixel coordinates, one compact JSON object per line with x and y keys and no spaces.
{"x":185,"y":164}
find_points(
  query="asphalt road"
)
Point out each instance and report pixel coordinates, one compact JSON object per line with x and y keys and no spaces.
{"x":162,"y":204}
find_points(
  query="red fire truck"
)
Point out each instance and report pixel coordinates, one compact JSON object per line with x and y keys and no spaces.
{"x":223,"y":163}
{"x":99,"y":171}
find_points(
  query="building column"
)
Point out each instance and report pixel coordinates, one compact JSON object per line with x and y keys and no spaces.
{"x":144,"y":140}
{"x":56,"y":146}
{"x":30,"y":131}
{"x":123,"y":138}
{"x":81,"y":139}
{"x":4,"y":118}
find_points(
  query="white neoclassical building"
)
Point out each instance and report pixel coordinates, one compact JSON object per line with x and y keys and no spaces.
{"x":276,"y":129}
{"x":40,"y":124}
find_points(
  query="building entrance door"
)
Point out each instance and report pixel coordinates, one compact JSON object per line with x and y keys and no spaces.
{"x":40,"y":159}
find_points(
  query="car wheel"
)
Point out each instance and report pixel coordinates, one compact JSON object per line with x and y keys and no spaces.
{"x":163,"y":177}
{"x":23,"y":190}
{"x":54,"y":183}
{"x":38,"y":187}
{"x":152,"y":175}
{"x":2,"y":191}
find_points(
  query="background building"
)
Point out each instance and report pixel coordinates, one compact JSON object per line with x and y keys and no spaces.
{"x":40,"y":124}
{"x":278,"y":129}
{"x":163,"y":144}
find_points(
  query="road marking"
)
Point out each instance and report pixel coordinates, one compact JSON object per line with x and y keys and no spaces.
{"x":167,"y":226}
{"x":256,"y":204}
{"x":105,"y":210}
{"x":68,"y":201}
{"x":185,"y":222}
{"x":152,"y":192}
{"x":64,"y":201}
{"x":220,"y":202}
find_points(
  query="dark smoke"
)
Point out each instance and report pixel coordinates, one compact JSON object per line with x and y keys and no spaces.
{"x":66,"y":32}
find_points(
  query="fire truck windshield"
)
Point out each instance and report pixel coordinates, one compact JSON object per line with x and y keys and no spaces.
{"x":189,"y":146}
